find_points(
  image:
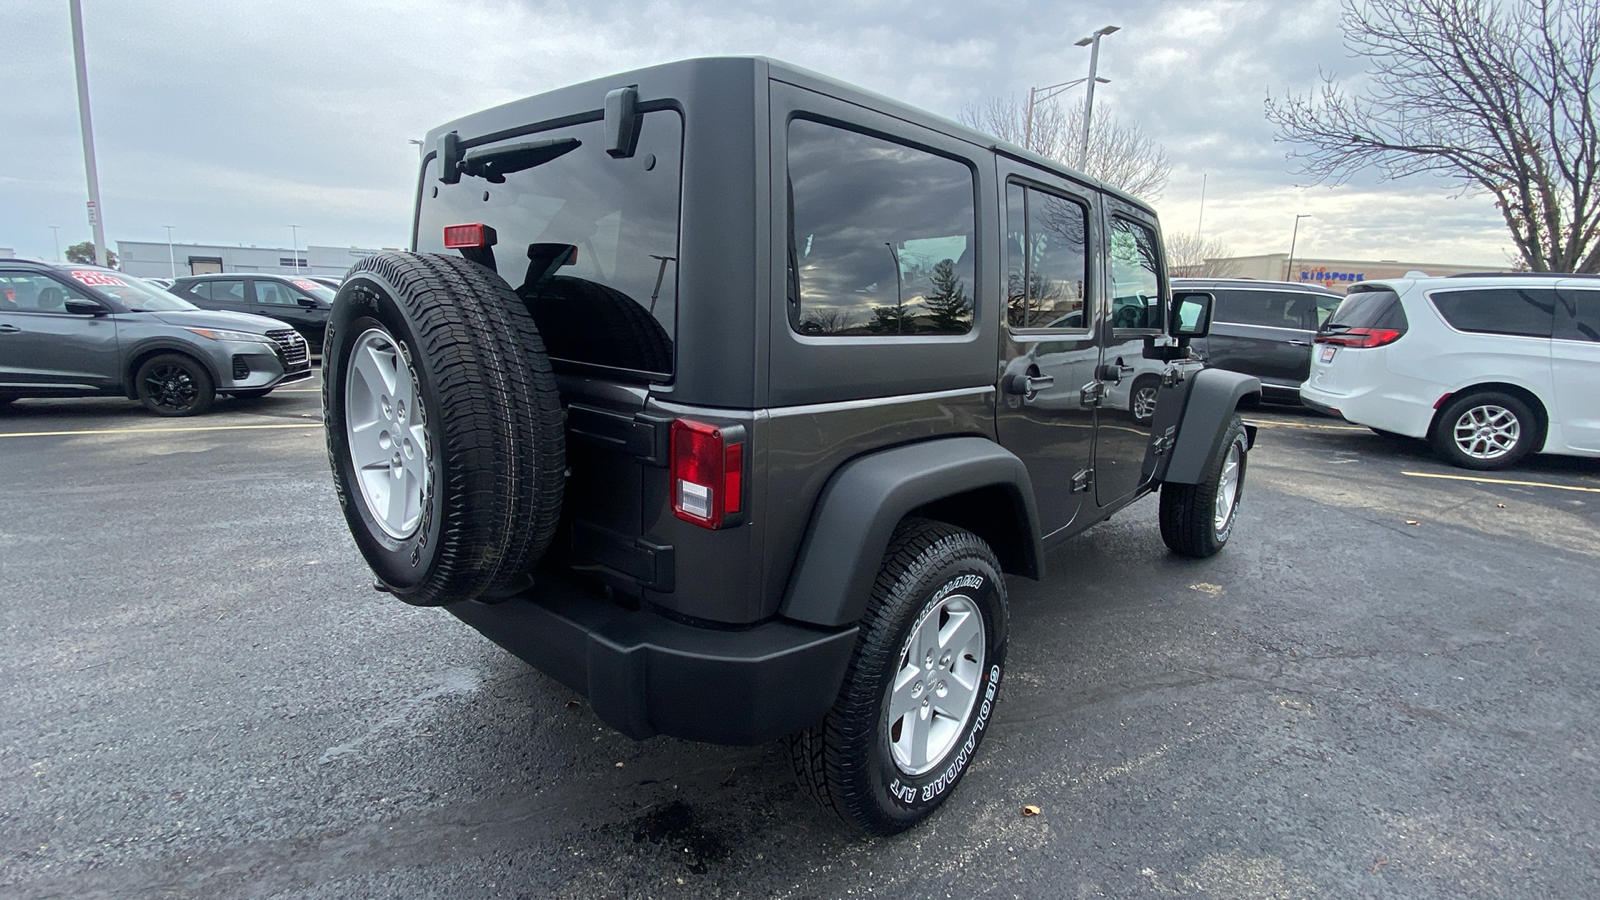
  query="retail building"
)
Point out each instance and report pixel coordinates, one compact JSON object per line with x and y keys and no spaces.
{"x":158,"y":259}
{"x":1334,"y":273}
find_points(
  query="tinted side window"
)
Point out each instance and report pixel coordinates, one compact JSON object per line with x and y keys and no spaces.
{"x":225,"y":291}
{"x":200,"y":290}
{"x":1584,"y":308}
{"x":1528,"y":312}
{"x":1272,"y":309}
{"x":33,"y":292}
{"x":881,"y":236}
{"x":1046,"y":265}
{"x":1135,"y":278}
{"x":272,"y":293}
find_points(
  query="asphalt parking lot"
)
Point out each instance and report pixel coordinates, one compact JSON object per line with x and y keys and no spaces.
{"x":1384,"y":686}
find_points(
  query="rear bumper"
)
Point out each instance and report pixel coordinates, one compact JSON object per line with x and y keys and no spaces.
{"x":646,"y":675}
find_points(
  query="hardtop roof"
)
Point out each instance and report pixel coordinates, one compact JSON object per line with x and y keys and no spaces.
{"x":689,"y":70}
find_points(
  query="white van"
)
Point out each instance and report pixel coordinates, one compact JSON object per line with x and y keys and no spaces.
{"x":1489,"y":368}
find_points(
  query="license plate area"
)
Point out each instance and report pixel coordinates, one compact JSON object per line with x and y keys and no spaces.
{"x":1327,"y":352}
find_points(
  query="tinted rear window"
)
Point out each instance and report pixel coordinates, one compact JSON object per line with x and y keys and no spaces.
{"x":613,"y":300}
{"x":1526,"y":312}
{"x":1369,"y":309}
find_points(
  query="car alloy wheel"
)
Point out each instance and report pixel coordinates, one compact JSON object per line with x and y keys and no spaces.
{"x":170,"y":387}
{"x":1487,"y":432}
{"x":936,"y":684}
{"x":386,"y":429}
{"x":1227,"y":489}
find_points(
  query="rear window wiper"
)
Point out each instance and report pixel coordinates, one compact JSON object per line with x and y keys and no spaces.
{"x":492,"y":164}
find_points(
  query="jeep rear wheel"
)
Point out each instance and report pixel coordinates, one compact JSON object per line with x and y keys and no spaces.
{"x":444,"y":427}
{"x":1198,"y":519}
{"x":920,"y":689}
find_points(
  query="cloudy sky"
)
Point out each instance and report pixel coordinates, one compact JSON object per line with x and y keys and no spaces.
{"x":232,"y":119}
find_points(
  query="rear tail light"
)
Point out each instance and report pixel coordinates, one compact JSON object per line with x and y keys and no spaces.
{"x":707,"y":473}
{"x":1361,"y":337}
{"x":460,"y":237}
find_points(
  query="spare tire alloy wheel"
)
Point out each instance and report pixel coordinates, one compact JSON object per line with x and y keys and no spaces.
{"x":444,"y":427}
{"x":1487,"y":430}
{"x":386,"y":430}
{"x":920,"y":690}
{"x":1198,"y":519}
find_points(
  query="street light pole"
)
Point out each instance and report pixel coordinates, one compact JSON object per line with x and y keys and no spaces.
{"x":171,"y":260}
{"x":1288,"y":274}
{"x":1036,"y":94}
{"x":294,"y":250}
{"x":88,"y":134}
{"x":55,"y":231}
{"x":1093,"y":42}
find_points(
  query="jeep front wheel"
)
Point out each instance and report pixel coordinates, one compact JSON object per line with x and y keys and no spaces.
{"x":444,"y":427}
{"x":920,"y":690}
{"x":1197,"y":519}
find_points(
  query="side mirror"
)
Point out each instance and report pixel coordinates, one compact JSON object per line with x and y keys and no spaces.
{"x":307,"y":302}
{"x":81,"y":307}
{"x":1190,"y":314}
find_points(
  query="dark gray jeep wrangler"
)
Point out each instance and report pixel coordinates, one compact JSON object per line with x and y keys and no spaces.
{"x":728,"y":394}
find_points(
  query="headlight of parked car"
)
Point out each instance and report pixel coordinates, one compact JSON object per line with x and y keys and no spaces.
{"x":217,"y":334}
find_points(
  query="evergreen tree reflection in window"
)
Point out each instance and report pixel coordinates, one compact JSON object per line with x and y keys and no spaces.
{"x":881,"y":239}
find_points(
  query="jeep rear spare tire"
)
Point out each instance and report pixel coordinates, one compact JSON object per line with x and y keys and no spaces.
{"x":444,"y":427}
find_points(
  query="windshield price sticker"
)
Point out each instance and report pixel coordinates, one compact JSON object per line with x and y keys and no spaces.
{"x":99,"y":279}
{"x":305,"y":285}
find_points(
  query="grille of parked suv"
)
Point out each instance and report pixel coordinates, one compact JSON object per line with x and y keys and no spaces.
{"x":295,"y":350}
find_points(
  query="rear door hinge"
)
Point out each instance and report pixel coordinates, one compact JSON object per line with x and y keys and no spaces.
{"x":1082,"y":481}
{"x":1161,"y":443}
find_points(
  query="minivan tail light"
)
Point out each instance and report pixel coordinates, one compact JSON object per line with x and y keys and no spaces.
{"x":1361,"y":337}
{"x":707,"y":472}
{"x":466,"y":237}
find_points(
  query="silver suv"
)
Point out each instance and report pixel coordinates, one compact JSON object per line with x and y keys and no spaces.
{"x":78,"y":331}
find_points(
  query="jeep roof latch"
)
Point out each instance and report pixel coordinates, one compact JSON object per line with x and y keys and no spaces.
{"x":622,"y":122}
{"x":448,"y":151}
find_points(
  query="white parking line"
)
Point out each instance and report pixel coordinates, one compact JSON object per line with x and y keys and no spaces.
{"x":1479,"y":478}
{"x":14,"y":434}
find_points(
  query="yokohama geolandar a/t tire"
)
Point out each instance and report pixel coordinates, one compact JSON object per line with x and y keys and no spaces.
{"x":920,"y":690}
{"x":1198,"y":519}
{"x":444,"y":428}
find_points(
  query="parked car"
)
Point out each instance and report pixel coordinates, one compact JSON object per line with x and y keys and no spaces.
{"x":301,"y":302}
{"x":163,"y":283}
{"x":79,"y":330}
{"x":331,"y":283}
{"x":1489,"y":368}
{"x":1263,"y":328}
{"x":779,"y":478}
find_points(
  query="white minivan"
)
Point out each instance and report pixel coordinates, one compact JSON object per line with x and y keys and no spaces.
{"x":1488,"y":368}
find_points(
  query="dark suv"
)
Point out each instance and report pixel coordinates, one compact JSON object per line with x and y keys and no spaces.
{"x":728,"y":394}
{"x":1263,"y":328}
{"x":301,"y":302}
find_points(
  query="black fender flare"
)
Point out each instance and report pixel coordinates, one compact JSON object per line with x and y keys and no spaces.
{"x":1214,"y":396}
{"x":867,"y":497}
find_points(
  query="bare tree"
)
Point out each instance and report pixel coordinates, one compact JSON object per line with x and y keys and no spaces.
{"x":1189,"y":255}
{"x":1120,"y":154}
{"x":1496,"y":97}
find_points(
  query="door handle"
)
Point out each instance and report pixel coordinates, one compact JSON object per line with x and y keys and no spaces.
{"x":9,"y":329}
{"x":1024,"y":385}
